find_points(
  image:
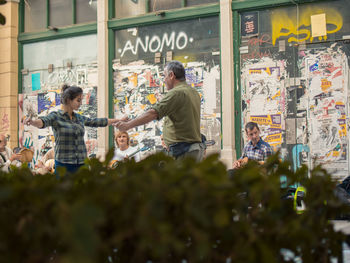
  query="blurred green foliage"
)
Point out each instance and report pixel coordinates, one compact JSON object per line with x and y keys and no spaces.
{"x":161,"y":210}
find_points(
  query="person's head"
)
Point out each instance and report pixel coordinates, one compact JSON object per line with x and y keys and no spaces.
{"x":122,"y":139}
{"x":3,"y":141}
{"x":174,"y":72}
{"x":71,"y":96}
{"x":253,"y":132}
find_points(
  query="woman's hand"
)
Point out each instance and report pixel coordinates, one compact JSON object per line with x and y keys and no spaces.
{"x":115,"y":121}
{"x":28,"y":121}
{"x":36,"y":123}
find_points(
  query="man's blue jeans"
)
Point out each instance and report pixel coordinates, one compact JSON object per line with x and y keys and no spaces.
{"x":182,"y":150}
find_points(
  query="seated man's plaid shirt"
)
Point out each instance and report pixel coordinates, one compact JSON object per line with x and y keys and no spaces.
{"x":70,"y":147}
{"x":261,"y":151}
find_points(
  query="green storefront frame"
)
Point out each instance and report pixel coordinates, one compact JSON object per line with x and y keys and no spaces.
{"x":147,"y":20}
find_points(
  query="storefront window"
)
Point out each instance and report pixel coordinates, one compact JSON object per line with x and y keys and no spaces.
{"x":47,"y":66}
{"x":141,"y":54}
{"x":156,"y":5}
{"x":61,"y":13}
{"x":294,"y":64}
{"x":130,"y":8}
{"x":200,"y":2}
{"x":86,"y":11}
{"x":35,"y":15}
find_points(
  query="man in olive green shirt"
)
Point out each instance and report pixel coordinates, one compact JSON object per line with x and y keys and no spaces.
{"x":181,"y":109}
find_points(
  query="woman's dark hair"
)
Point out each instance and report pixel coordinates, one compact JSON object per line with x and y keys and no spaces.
{"x":70,"y":93}
{"x":177,"y":68}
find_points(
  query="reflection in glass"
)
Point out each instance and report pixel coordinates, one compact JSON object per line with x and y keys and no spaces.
{"x":35,"y":15}
{"x":156,"y":5}
{"x":86,"y":11}
{"x":129,"y":8}
{"x":200,"y":2}
{"x":61,"y":13}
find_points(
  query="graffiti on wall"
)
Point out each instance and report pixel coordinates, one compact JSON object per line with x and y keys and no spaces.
{"x":138,"y":86}
{"x":178,"y":40}
{"x":4,"y":121}
{"x":47,"y":99}
{"x":286,"y":25}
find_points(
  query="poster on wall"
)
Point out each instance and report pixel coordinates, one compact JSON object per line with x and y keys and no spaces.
{"x":263,"y":98}
{"x":137,"y":89}
{"x":270,"y":128}
{"x":264,"y":90}
{"x":249,"y":24}
{"x":327,"y":74}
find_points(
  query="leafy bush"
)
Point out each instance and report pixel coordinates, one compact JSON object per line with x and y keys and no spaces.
{"x":160,"y":210}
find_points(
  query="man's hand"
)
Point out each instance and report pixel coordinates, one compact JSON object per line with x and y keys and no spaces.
{"x":114,"y":121}
{"x":122,"y":125}
{"x":15,"y":156}
{"x":236,"y":164}
{"x":240,"y":163}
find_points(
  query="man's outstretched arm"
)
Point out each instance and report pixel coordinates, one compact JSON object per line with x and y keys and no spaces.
{"x":146,"y":117}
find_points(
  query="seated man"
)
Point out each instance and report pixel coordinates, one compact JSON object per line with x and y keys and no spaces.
{"x":7,"y":157}
{"x":256,"y":148}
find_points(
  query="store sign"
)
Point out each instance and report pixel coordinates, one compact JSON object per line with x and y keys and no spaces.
{"x":250,"y":24}
{"x":157,"y":43}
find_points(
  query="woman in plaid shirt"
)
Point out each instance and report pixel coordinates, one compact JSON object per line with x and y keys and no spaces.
{"x":256,"y":149}
{"x":68,"y":129}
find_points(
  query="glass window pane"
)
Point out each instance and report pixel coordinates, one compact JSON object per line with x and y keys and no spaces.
{"x":155,"y":5}
{"x":41,"y":87}
{"x":86,"y":11}
{"x":127,"y":8}
{"x":141,"y":53}
{"x":200,"y":2}
{"x":61,"y":13}
{"x":35,"y":15}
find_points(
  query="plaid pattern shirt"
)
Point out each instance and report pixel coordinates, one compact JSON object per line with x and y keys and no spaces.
{"x":69,"y":134}
{"x":261,"y":151}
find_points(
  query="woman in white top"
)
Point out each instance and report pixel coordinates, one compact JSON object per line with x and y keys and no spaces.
{"x":124,"y":150}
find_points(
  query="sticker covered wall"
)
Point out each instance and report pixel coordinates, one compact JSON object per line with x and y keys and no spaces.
{"x":263,"y":95}
{"x":327,"y":79}
{"x":303,"y":80}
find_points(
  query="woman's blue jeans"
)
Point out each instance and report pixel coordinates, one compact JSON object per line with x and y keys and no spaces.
{"x":70,"y":168}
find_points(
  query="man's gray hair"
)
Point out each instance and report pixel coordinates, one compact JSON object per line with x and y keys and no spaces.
{"x":177,"y":68}
{"x":251,"y":125}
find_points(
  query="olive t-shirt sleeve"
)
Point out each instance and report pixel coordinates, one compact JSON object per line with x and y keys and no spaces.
{"x":169,"y":104}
